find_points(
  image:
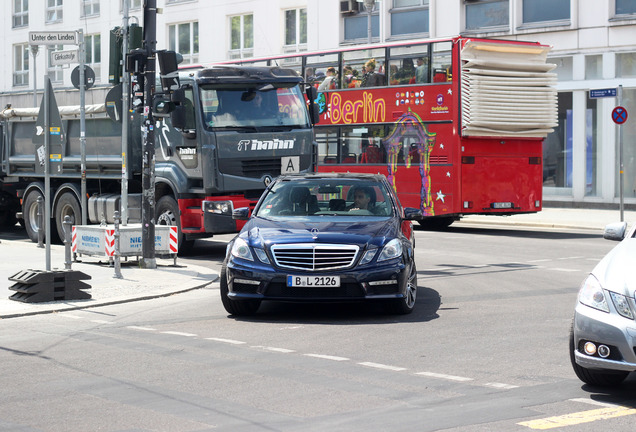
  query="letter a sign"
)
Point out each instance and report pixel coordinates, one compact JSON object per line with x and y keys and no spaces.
{"x":290,"y":165}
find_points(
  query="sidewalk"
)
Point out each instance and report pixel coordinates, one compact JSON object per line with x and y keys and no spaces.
{"x":140,"y":284}
{"x":136,"y":284}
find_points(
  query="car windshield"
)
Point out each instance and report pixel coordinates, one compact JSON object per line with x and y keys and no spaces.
{"x":323,"y":197}
{"x":250,"y":107}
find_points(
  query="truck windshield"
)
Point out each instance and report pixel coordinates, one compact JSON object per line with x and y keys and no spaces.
{"x":228,"y":108}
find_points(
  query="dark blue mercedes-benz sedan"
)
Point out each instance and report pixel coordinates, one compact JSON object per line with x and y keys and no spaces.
{"x":323,"y":238}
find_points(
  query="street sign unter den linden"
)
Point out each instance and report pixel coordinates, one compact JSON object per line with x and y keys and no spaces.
{"x":52,"y":38}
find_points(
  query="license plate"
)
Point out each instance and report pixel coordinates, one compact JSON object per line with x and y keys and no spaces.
{"x":502,"y":205}
{"x":313,"y":281}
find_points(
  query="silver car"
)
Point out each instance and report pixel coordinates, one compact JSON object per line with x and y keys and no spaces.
{"x":603,"y":335}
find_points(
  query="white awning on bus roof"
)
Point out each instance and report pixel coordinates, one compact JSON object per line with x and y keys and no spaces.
{"x":507,"y":89}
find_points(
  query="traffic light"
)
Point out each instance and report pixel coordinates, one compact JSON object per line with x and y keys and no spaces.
{"x":168,"y":65}
{"x":135,"y":41}
{"x":136,"y":65}
{"x":162,"y":107}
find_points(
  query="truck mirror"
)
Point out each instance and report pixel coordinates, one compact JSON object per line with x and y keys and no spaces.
{"x":314,"y":110}
{"x":311,"y":92}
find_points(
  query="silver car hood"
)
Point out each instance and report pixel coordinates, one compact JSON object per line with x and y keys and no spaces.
{"x":617,"y":270}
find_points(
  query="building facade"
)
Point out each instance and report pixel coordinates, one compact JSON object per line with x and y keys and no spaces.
{"x":594,"y":47}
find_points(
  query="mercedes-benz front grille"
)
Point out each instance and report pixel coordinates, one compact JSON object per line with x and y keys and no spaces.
{"x":314,"y":257}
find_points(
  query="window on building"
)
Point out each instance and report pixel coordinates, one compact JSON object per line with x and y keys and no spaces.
{"x":132,"y":4}
{"x":90,"y":8}
{"x":241,"y":36}
{"x":184,"y":39}
{"x":295,"y":30}
{"x":21,"y":65}
{"x":557,"y":151}
{"x":545,"y":10}
{"x":625,"y":7}
{"x":20,"y":13}
{"x":626,"y":65}
{"x":563,"y":67}
{"x":93,"y":44}
{"x":356,"y":27}
{"x":409,"y":17}
{"x":486,"y":14}
{"x":55,"y":73}
{"x":593,"y":67}
{"x":54,"y":9}
{"x":593,"y":127}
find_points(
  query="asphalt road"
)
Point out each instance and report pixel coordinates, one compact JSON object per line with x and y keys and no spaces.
{"x":485,"y":350}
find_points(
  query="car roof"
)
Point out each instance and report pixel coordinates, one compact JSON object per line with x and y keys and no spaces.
{"x":348,"y":176}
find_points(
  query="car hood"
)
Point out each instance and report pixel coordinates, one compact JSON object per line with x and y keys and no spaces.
{"x":260,"y":232}
{"x":616,"y":272}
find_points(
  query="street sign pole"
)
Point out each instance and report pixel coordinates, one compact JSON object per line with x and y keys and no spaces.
{"x":47,"y":172}
{"x":82,"y":89}
{"x":34,"y":51}
{"x":620,"y":153}
{"x":124,"y":121}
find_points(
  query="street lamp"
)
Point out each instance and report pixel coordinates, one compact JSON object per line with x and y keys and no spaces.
{"x":369,"y":5}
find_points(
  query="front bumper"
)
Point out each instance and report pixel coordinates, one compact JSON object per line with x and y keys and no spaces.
{"x":610,"y":329}
{"x":266,"y":283}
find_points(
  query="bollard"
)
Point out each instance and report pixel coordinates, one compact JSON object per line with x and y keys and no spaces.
{"x":116,"y":253}
{"x":67,"y":224}
{"x":40,"y":217}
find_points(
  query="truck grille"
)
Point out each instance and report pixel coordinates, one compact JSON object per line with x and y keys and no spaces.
{"x":314,"y":257}
{"x":256,"y":168}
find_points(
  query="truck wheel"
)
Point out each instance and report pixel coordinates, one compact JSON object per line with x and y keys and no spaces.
{"x":30,"y":214}
{"x":167,"y":213}
{"x":67,"y":205}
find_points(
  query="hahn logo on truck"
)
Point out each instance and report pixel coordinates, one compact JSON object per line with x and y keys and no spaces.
{"x":246,"y":145}
{"x":187,"y":152}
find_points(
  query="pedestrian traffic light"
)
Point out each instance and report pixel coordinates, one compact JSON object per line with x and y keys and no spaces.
{"x":168,"y":65}
{"x":162,"y":107}
{"x":115,"y":56}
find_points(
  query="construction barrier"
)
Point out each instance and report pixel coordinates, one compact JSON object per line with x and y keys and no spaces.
{"x":100,"y":240}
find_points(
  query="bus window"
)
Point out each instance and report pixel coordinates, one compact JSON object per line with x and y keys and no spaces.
{"x":327,"y":139}
{"x":320,"y":68}
{"x":442,"y":61}
{"x":364,"y":144}
{"x":294,"y":63}
{"x":354,"y":67}
{"x":409,"y":65}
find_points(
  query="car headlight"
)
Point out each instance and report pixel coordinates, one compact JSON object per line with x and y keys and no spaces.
{"x":240,"y":249}
{"x":368,"y":256}
{"x":591,"y":294}
{"x":261,"y":255}
{"x":392,"y":249}
{"x":621,"y":305}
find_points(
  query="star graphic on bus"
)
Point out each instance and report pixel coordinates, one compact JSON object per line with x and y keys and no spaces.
{"x":440,"y":196}
{"x":448,"y":174}
{"x":450,"y":91}
{"x":441,"y":146}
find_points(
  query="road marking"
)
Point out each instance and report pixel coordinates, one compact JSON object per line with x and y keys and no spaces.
{"x":593,"y":402}
{"x":562,"y":269}
{"x":101,"y":322}
{"x":274,"y":349}
{"x":327,"y":357}
{"x":444,"y":376}
{"x":501,"y":386}
{"x":579,"y":417}
{"x":567,"y":258}
{"x":179,"y":333}
{"x":75,"y":317}
{"x":382,"y":366}
{"x":540,"y":260}
{"x":230,"y":341}
{"x":141,"y":328}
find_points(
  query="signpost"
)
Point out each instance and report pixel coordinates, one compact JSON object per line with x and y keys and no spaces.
{"x":602,"y":93}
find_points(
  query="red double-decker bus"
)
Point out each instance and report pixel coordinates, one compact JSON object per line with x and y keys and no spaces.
{"x":456,"y":124}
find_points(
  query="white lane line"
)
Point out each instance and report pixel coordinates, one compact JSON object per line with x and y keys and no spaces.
{"x":593,"y":402}
{"x":75,"y":317}
{"x":327,"y":357}
{"x":382,"y":366}
{"x":443,"y":376}
{"x":568,"y":258}
{"x":174,"y":333}
{"x":274,"y":349}
{"x":229,"y":341}
{"x":540,"y":260}
{"x":562,"y":269}
{"x":501,"y":386}
{"x":141,"y":328}
{"x":101,"y":322}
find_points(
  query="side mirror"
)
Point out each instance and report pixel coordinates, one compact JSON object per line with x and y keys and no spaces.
{"x":241,"y":213}
{"x":615,"y":231}
{"x":411,"y":213}
{"x":314,"y":110}
{"x":178,"y":114}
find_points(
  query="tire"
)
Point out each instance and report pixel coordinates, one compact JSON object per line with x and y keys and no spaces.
{"x":406,"y":304}
{"x":235,"y":307}
{"x":594,"y":377}
{"x":67,"y":205}
{"x":30,"y":214}
{"x":167,"y":213}
{"x":436,"y":223}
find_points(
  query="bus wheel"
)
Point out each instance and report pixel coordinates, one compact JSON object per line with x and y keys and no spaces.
{"x":437,"y":223}
{"x":67,"y":205}
{"x":30,"y":214}
{"x":167,"y":213}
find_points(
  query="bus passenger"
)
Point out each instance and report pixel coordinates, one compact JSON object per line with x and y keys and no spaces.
{"x":330,"y":81}
{"x":420,"y":71}
{"x":368,"y":79}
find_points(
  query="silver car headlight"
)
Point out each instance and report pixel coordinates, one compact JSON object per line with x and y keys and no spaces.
{"x":392,"y":249}
{"x":591,"y":294}
{"x":240,"y":249}
{"x":621,"y":305}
